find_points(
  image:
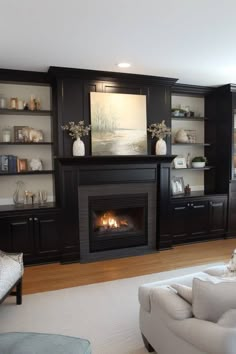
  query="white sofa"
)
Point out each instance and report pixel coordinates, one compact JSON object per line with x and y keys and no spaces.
{"x":168,"y":326}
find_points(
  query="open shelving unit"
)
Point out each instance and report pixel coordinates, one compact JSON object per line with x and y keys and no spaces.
{"x":189,"y":150}
{"x":34,"y":180}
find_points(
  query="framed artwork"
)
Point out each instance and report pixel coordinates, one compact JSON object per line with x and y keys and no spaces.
{"x":18,"y":134}
{"x":22,"y":165}
{"x":177,"y":185}
{"x":180,"y":162}
{"x":119,"y":124}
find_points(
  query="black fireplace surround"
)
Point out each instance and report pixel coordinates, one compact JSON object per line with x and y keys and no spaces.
{"x":115,"y":206}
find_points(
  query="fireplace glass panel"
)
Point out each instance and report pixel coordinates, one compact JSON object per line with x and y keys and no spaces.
{"x":118,"y":221}
{"x":115,"y":222}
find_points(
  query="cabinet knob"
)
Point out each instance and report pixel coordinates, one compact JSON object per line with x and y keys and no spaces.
{"x":35,"y":219}
{"x":188,"y":204}
{"x":30,"y":219}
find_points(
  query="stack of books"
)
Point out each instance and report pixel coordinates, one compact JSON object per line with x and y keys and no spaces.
{"x":9,"y":164}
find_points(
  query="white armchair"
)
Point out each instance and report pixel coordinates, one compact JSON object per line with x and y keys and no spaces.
{"x":168,"y":326}
{"x":11,"y":272}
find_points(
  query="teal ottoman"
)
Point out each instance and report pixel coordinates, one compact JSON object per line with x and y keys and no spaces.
{"x":39,"y":343}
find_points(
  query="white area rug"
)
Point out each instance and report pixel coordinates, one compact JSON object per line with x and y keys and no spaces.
{"x":104,"y":313}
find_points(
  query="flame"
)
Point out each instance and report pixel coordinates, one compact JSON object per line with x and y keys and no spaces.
{"x":110,"y":221}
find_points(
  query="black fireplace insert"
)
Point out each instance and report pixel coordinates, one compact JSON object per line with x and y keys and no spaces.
{"x":117,"y":221}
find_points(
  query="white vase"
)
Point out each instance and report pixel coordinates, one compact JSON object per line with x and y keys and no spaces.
{"x":78,"y":148}
{"x":161,"y":147}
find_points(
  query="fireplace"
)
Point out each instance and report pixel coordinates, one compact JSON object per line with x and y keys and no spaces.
{"x":131,"y":188}
{"x":118,"y":221}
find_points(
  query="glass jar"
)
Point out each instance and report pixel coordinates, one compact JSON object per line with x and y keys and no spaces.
{"x":6,"y":135}
{"x":3,"y":102}
{"x":19,"y":194}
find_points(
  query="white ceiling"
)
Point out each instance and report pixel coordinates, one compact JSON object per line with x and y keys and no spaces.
{"x":193,"y":40}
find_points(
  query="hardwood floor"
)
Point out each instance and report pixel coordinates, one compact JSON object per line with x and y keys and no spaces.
{"x":56,"y":276}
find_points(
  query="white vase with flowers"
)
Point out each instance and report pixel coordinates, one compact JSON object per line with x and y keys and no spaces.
{"x":160,"y":131}
{"x":77,"y":131}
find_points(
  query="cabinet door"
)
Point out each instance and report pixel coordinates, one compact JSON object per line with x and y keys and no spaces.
{"x":46,"y":234}
{"x":198,"y":219}
{"x":217,"y":216}
{"x":21,"y":234}
{"x":5,"y":235}
{"x":232,"y":209}
{"x":180,"y":222}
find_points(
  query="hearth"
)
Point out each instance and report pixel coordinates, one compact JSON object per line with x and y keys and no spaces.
{"x":118,"y":221}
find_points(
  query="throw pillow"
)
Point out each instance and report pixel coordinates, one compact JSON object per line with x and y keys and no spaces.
{"x":213,"y":297}
{"x":183,"y":291}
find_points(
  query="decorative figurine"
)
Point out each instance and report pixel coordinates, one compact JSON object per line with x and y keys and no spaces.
{"x":187,"y":189}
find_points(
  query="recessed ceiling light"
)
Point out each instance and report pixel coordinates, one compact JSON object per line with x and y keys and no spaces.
{"x":124,"y":65}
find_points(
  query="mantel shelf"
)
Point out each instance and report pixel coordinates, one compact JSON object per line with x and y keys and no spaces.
{"x":25,"y":112}
{"x":118,"y":159}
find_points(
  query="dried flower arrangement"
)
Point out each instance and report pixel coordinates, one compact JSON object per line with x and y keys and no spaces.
{"x":77,"y":130}
{"x":159,"y":130}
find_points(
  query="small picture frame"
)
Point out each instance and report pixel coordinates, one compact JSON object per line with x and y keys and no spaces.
{"x":22,"y":165}
{"x":180,"y":162}
{"x":18,"y":134}
{"x":177,"y":185}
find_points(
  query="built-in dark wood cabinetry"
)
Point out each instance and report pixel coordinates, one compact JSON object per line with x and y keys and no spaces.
{"x":59,"y":232}
{"x":198,"y":219}
{"x":221,"y":108}
{"x":34,"y":232}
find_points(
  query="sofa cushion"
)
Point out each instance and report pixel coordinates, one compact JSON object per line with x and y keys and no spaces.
{"x":217,"y":271}
{"x":144,"y":290}
{"x":212,"y":297}
{"x":228,"y":319}
{"x":11,"y":269}
{"x":170,"y":302}
{"x":183,"y":291}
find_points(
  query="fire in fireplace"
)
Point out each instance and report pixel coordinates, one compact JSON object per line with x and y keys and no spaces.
{"x":110,"y":222}
{"x":117,"y":221}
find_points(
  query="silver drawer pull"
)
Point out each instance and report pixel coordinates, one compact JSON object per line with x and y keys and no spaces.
{"x":180,"y":208}
{"x":198,"y":206}
{"x":216,"y":204}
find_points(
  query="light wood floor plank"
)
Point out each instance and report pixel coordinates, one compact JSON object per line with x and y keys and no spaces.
{"x":56,"y":276}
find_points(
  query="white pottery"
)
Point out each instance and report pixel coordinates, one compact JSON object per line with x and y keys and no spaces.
{"x":181,"y":136}
{"x":78,"y":148}
{"x":36,"y":165}
{"x":161,"y":147}
{"x":198,"y":164}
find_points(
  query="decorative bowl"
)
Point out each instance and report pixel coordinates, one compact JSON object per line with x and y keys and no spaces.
{"x":198,"y":164}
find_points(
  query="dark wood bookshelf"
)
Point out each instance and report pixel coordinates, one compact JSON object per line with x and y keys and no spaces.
{"x":192,"y":144}
{"x":33,"y":143}
{"x":194,"y":168}
{"x":190,"y":118}
{"x":195,"y":194}
{"x":25,"y":207}
{"x":44,"y":172}
{"x":25,"y":112}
